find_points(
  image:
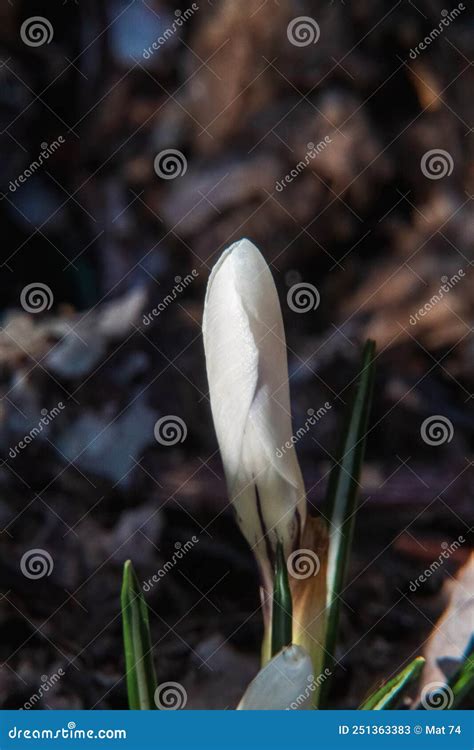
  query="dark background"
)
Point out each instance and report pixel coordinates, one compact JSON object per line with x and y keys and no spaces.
{"x":108,"y":236}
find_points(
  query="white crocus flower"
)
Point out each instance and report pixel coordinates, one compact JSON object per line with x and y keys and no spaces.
{"x":247,"y":372}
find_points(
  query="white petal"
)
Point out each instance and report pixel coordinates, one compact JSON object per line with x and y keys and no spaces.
{"x":231,"y":361}
{"x":247,"y":371}
{"x":285,"y":683}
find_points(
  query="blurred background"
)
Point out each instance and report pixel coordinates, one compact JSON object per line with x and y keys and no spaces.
{"x":138,"y":139}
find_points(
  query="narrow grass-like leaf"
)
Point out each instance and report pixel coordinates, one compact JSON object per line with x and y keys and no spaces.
{"x":452,"y":694}
{"x":462,"y":682}
{"x":342,"y":497}
{"x":388,"y":695}
{"x":141,"y":680}
{"x":282,"y":614}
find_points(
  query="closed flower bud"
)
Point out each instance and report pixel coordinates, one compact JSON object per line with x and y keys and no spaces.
{"x":247,"y":370}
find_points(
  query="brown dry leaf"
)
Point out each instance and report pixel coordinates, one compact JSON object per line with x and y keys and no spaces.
{"x":422,"y":293}
{"x":309,"y":593}
{"x":22,"y":336}
{"x":427,"y":85}
{"x":237,"y":81}
{"x":453,"y":632}
{"x":200,"y":196}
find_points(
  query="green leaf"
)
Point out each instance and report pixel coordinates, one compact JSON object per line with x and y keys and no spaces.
{"x":452,"y":694}
{"x":282,"y":614}
{"x":388,"y":695}
{"x":342,"y":497}
{"x":141,"y":680}
{"x":463,"y":681}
